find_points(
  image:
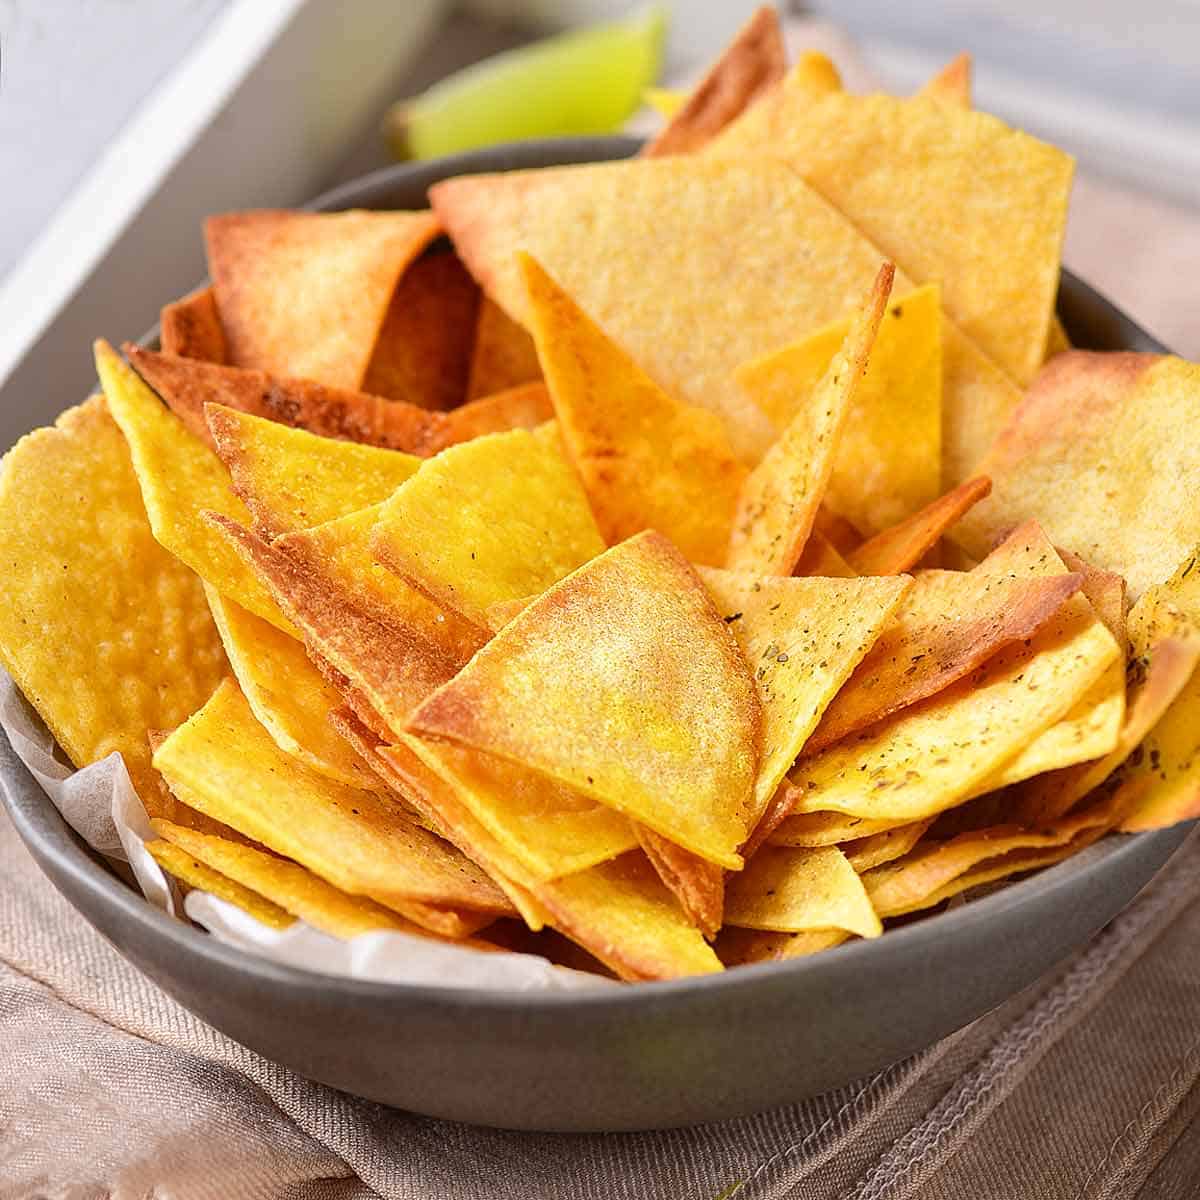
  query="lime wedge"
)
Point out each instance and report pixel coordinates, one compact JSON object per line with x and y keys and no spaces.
{"x":580,"y":82}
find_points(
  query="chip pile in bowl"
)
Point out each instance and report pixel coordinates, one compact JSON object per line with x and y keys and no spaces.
{"x":709,"y":557}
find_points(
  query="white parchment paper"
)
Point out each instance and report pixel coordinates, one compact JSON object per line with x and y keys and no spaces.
{"x":100,"y":804}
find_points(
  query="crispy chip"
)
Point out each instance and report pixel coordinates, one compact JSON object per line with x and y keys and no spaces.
{"x":423,"y":352}
{"x":749,"y":67}
{"x":878,"y":848}
{"x":504,"y":355}
{"x":179,"y":479}
{"x":631,"y":690}
{"x":190,"y":870}
{"x":102,"y":649}
{"x":286,"y":692}
{"x":827,"y":828}
{"x":821,"y":557}
{"x":697,"y":884}
{"x":889,"y":457}
{"x":949,"y":623}
{"x":306,"y":294}
{"x":291,"y":479}
{"x":295,"y":890}
{"x":525,"y":406}
{"x":743,"y":947}
{"x":778,"y":502}
{"x":802,"y":638}
{"x":191,"y":327}
{"x":902,"y":547}
{"x":914,"y":764}
{"x":952,"y":84}
{"x":494,"y":519}
{"x":353,"y":838}
{"x":798,"y":891}
{"x":1106,"y":593}
{"x":1096,"y":453}
{"x":647,"y":461}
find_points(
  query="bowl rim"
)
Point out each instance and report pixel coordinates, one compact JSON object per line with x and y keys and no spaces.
{"x":48,"y":836}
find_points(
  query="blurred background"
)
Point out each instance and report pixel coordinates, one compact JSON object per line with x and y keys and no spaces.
{"x":122,"y":122}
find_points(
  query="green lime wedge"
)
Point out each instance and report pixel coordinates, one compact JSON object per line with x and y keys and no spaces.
{"x":580,"y":82}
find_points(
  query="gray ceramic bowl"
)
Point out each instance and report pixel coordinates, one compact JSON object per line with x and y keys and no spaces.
{"x":646,"y":1056}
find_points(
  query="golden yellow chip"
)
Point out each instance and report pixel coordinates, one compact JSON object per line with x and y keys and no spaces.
{"x":697,"y":884}
{"x":829,"y":828}
{"x":105,"y":633}
{"x":291,"y":479}
{"x":494,"y":519}
{"x":288,"y":695}
{"x":196,"y":874}
{"x":630,"y":689}
{"x":821,"y":557}
{"x":286,"y":884}
{"x":306,"y":294}
{"x":353,"y":838}
{"x":952,"y":84}
{"x":878,"y":848}
{"x":779,"y":500}
{"x":799,"y":891}
{"x":743,"y":947}
{"x":191,"y":327}
{"x":646,"y":460}
{"x":931,"y":757}
{"x":802,"y":639}
{"x":180,"y":479}
{"x":1096,"y":454}
{"x":888,"y":462}
{"x":504,"y":355}
{"x":525,"y":406}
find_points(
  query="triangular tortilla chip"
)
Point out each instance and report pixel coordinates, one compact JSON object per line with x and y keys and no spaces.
{"x":355,"y":839}
{"x":106,"y":633}
{"x":888,"y":462}
{"x":646,"y":460}
{"x":503,"y":356}
{"x":750,"y":66}
{"x":929,"y":758}
{"x":878,"y":848}
{"x":496,"y":518}
{"x":743,"y":947}
{"x":423,"y":351}
{"x":305,"y":294}
{"x":779,"y":499}
{"x":291,"y":479}
{"x":196,"y":874}
{"x":631,"y":689}
{"x":624,"y":237}
{"x":952,"y":84}
{"x":902,"y":547}
{"x":525,"y":406}
{"x":1096,"y":453}
{"x":829,"y":828}
{"x":287,"y":694}
{"x":698,"y":885}
{"x":798,"y":891}
{"x":802,"y":638}
{"x":191,"y":327}
{"x":820,"y":557}
{"x":949,"y":623}
{"x":180,"y":479}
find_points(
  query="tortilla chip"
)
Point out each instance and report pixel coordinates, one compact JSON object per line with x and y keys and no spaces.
{"x":352,"y":838}
{"x":631,"y":689}
{"x":196,"y":874}
{"x":287,"y":885}
{"x":888,"y":460}
{"x":946,"y":626}
{"x":423,"y":352}
{"x":179,"y":479}
{"x":525,"y":406}
{"x":779,"y":499}
{"x":306,"y":294}
{"x":902,"y":547}
{"x":291,"y":479}
{"x":1096,"y":453}
{"x":287,"y":694}
{"x":743,"y":947}
{"x":820,"y":557}
{"x":698,"y":885}
{"x":493,"y":519}
{"x":550,"y":828}
{"x":504,"y":355}
{"x":906,"y":766}
{"x":802,"y":639}
{"x":106,"y":634}
{"x":600,"y":230}
{"x":799,"y":891}
{"x":952,"y":84}
{"x":919,"y":178}
{"x":884,"y":847}
{"x":1106,"y":593}
{"x":829,"y":828}
{"x":646,"y":460}
{"x":749,"y":67}
{"x":382,"y":650}
{"x":191,"y":327}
